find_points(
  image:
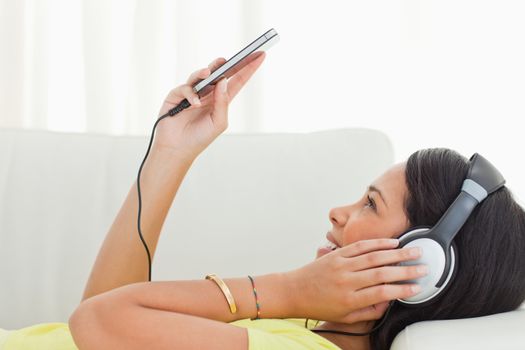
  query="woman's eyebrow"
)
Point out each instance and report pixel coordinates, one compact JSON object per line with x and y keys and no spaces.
{"x":372,"y":188}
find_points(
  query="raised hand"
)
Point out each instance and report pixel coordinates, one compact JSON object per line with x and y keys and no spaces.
{"x":188,"y":133}
{"x":354,"y":283}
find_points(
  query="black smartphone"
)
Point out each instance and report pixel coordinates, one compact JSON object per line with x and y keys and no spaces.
{"x":237,"y":62}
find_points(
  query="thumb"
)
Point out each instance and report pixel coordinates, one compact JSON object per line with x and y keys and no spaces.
{"x":220,"y":106}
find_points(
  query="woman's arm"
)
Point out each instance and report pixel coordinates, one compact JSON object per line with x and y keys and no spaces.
{"x":142,"y":315}
{"x":178,"y":141}
{"x":122,"y":259}
{"x":346,"y":286}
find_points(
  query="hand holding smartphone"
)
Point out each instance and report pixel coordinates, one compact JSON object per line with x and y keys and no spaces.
{"x":237,"y":62}
{"x":230,"y":67}
{"x":194,"y":135}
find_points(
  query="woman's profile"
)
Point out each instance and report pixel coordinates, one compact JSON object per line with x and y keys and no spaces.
{"x":349,"y":285}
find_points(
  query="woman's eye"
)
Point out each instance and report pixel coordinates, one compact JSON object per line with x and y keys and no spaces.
{"x":370,"y":203}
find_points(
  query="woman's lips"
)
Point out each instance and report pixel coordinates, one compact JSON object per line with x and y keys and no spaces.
{"x":332,"y":239}
{"x":327,"y":248}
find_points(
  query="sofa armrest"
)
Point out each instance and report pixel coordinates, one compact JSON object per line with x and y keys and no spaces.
{"x":504,"y":331}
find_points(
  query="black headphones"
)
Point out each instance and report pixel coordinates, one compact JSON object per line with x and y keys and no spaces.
{"x":438,"y":251}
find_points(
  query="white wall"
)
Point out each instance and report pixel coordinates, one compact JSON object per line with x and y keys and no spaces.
{"x":428,"y":73}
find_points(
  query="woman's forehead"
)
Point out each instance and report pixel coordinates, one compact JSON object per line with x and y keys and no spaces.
{"x":392,"y":183}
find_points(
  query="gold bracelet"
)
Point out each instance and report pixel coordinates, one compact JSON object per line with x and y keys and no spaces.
{"x":225,"y":290}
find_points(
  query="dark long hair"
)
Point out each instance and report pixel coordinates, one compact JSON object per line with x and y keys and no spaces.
{"x":491,"y":246}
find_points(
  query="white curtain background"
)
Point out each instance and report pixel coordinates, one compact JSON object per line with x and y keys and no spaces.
{"x":105,"y":66}
{"x":428,"y":73}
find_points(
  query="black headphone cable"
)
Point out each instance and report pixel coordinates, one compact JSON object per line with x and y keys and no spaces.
{"x":175,"y":110}
{"x":172,"y":112}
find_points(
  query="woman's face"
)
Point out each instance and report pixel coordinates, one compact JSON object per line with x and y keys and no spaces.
{"x":378,"y":214}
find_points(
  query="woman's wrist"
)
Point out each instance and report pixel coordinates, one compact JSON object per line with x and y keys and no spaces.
{"x":275,"y":296}
{"x":294,"y":292}
{"x":173,"y":159}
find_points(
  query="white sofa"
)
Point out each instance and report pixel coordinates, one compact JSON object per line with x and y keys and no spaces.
{"x":251,"y":204}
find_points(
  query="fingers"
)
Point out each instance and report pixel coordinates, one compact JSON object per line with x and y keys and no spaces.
{"x":222,"y":96}
{"x":183,"y":92}
{"x":367,"y":246}
{"x":216,"y":63}
{"x":384,"y":257}
{"x":203,"y":73}
{"x":219,"y":115}
{"x":387,"y":274}
{"x":197,"y":76}
{"x":385,"y":292}
{"x":186,"y":91}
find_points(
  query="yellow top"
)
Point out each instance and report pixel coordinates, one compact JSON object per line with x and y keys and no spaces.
{"x":43,"y":336}
{"x":290,"y":334}
{"x":3,"y":337}
{"x":264,"y":334}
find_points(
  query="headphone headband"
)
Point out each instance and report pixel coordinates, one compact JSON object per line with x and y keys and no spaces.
{"x":482,"y":179}
{"x":483,"y":173}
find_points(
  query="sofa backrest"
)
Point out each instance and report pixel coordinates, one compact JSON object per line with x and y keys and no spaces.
{"x":251,"y":204}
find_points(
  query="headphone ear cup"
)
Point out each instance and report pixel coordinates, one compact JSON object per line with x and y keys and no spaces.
{"x":408,"y":235}
{"x":433,"y":256}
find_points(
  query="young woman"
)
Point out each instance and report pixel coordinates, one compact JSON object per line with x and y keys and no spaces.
{"x":349,"y":287}
{"x":121,"y":259}
{"x":197,"y":308}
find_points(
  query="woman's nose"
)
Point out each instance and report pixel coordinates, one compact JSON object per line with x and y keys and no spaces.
{"x":338,"y":216}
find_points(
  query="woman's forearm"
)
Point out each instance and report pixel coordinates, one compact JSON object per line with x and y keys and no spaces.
{"x":180,"y":314}
{"x":276,"y":293}
{"x":122,"y":258}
